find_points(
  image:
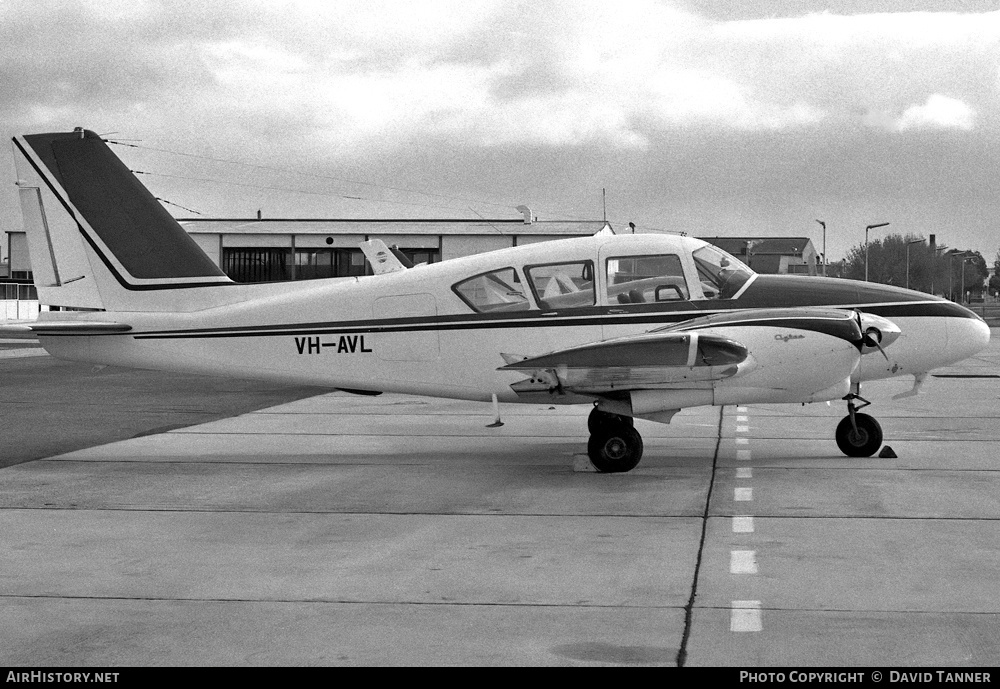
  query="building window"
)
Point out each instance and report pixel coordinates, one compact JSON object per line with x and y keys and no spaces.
{"x":256,"y":265}
{"x":15,"y":292}
{"x":418,"y":256}
{"x":350,"y":262}
{"x":313,"y":264}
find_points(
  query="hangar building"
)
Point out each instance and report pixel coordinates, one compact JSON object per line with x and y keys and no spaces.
{"x":264,"y":250}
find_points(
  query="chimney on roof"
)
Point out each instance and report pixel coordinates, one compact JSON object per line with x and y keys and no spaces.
{"x":526,"y":212}
{"x":259,"y":214}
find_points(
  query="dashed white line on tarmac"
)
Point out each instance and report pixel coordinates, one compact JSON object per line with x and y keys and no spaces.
{"x":743,"y":562}
{"x":745,"y":616}
{"x":743,"y":455}
{"x":742,"y":524}
{"x":744,"y":472}
{"x":743,"y":494}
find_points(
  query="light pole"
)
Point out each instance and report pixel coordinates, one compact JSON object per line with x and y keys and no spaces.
{"x":951,"y":271}
{"x":908,"y":244}
{"x":968,"y":257}
{"x":824,"y":246}
{"x":870,"y":227}
{"x":934,"y":258}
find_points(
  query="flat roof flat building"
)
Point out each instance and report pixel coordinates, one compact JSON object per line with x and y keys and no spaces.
{"x":267,"y":250}
{"x":264,"y":250}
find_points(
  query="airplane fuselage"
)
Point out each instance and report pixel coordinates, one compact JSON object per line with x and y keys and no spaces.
{"x":411,"y":332}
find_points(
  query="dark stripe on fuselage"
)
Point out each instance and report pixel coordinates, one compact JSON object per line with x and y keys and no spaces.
{"x":594,"y":316}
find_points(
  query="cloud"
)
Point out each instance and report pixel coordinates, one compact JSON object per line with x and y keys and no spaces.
{"x":541,"y":102}
{"x":939,"y":112}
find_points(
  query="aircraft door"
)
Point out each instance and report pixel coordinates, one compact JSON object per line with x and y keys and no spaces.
{"x":405,"y":334}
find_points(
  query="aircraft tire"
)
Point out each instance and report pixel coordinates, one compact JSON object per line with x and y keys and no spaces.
{"x":602,"y":421}
{"x":615,"y":450}
{"x":865,"y":442}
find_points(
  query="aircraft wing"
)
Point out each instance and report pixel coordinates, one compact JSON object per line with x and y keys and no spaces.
{"x":794,"y":355}
{"x":32,"y":329}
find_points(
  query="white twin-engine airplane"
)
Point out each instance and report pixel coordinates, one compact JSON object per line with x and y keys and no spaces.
{"x":638,"y":326}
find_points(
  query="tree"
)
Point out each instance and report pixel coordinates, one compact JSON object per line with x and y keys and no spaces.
{"x":975,"y":273}
{"x":926,"y":270}
{"x":887,"y":261}
{"x":994,"y":285}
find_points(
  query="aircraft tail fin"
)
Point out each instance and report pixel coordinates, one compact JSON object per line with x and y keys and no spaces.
{"x":384,"y":259}
{"x":96,"y":236}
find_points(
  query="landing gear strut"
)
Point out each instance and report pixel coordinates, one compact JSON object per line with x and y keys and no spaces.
{"x":858,"y":435}
{"x":614,"y":445}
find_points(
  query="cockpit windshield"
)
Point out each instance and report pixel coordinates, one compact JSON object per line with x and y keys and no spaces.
{"x":721,"y":275}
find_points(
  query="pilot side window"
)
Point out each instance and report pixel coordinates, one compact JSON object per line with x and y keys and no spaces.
{"x":643,"y":279}
{"x":563,"y":285}
{"x":498,"y":290}
{"x":720,"y":274}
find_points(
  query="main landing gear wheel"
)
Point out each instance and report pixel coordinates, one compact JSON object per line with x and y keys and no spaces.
{"x":864,"y":441}
{"x":615,"y":449}
{"x":599,"y":421}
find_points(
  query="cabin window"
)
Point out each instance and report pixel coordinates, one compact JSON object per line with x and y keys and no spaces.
{"x":563,"y":285}
{"x":644,"y":279}
{"x":498,"y":290}
{"x":720,"y":274}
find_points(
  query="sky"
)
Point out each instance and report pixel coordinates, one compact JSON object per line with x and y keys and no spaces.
{"x":710,"y":118}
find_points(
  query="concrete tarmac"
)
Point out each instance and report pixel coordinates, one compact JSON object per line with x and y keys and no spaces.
{"x":344,"y":530}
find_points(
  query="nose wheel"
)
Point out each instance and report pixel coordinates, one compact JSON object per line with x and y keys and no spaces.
{"x":858,"y":435}
{"x":614,"y":445}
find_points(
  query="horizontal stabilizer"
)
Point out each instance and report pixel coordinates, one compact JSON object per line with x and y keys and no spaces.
{"x":32,"y":329}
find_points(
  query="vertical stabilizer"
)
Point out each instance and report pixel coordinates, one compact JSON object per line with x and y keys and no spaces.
{"x":97,"y":238}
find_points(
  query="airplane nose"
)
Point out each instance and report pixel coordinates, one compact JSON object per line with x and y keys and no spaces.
{"x":968,"y":336}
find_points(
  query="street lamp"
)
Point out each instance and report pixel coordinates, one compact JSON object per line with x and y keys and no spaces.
{"x":951,"y":271}
{"x":870,"y":227}
{"x":969,"y":257}
{"x":908,"y":244}
{"x":934,"y":264}
{"x":824,"y":246}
